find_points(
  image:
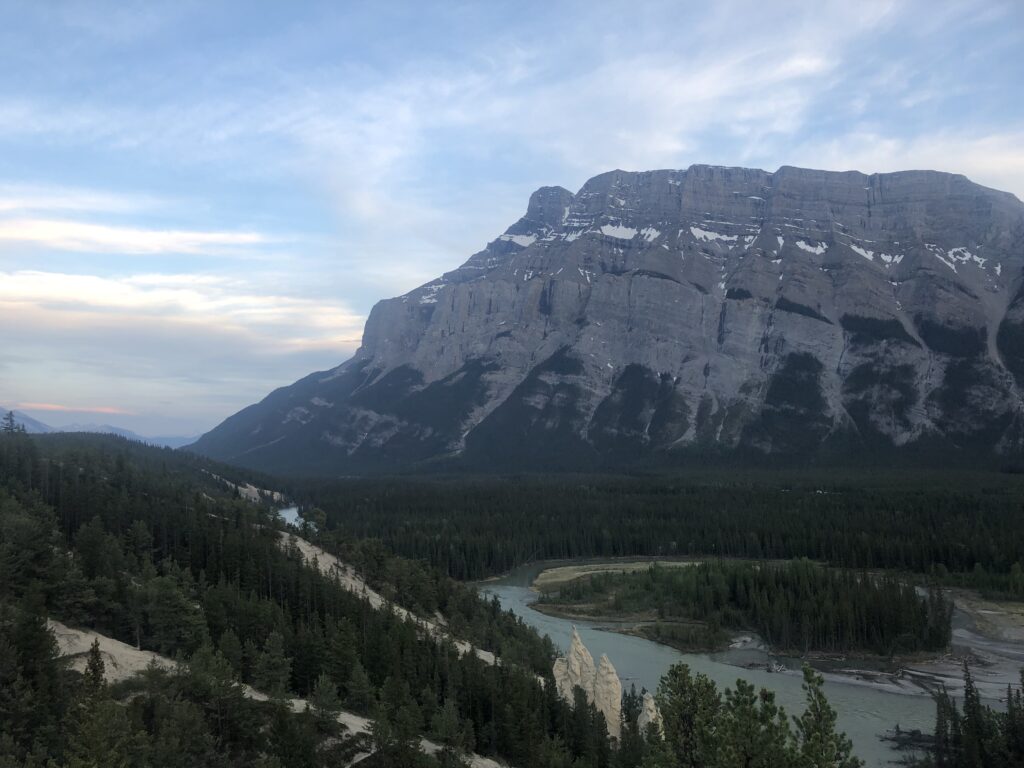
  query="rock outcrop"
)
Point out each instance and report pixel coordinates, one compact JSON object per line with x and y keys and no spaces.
{"x":608,"y":696}
{"x":655,"y":315}
{"x":600,"y":685}
{"x":650,"y":715}
{"x":576,"y":669}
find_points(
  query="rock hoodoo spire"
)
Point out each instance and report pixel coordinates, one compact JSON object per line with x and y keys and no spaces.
{"x":600,"y":684}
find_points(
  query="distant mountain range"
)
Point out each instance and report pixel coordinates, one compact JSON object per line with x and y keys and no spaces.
{"x":32,"y":426}
{"x":668,"y":316}
{"x":36,"y":427}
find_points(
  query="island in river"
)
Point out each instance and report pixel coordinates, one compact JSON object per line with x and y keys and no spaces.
{"x":869,"y":700}
{"x":989,"y":635}
{"x":797,"y":606}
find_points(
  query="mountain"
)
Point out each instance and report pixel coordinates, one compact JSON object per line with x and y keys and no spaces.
{"x":32,"y":426}
{"x":35,"y":427}
{"x":108,"y":429}
{"x":660,"y":316}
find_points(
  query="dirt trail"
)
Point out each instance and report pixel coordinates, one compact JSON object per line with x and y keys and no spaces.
{"x":122,"y":661}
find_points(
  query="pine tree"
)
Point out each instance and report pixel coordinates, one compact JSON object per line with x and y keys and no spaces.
{"x":273,"y":670}
{"x":689,"y":706}
{"x":325,"y":704}
{"x":340,"y":655}
{"x":9,"y":425}
{"x":182,"y":738}
{"x":93,"y":680}
{"x":444,"y":726}
{"x":210,"y":679}
{"x":102,"y":737}
{"x":977,"y":740}
{"x":250,"y":658}
{"x":942,"y":753}
{"x":359,"y":691}
{"x":818,"y":745}
{"x":101,"y":734}
{"x":231,"y":648}
{"x":752,"y":731}
{"x":33,"y":693}
{"x":631,"y":741}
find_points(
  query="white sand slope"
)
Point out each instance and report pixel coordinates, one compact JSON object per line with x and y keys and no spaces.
{"x":122,"y":661}
{"x":332,"y":567}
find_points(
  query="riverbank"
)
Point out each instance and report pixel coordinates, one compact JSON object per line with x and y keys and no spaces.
{"x":867,"y":708}
{"x":1000,"y":621}
{"x":556,"y":577}
{"x":987,"y":634}
{"x":686,"y":635}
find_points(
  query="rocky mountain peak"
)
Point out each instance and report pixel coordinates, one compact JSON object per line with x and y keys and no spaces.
{"x":655,"y":315}
{"x":547,"y":208}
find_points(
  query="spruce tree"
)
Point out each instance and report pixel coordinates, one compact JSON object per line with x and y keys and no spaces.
{"x":818,"y":745}
{"x":325,"y":704}
{"x":752,"y":731}
{"x":444,"y":725}
{"x":272,"y":674}
{"x":689,"y":706}
{"x":103,"y":737}
{"x":231,"y":648}
{"x":93,"y":680}
{"x":360,"y":694}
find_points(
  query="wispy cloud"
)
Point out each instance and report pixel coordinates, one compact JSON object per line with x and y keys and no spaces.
{"x":180,"y":350}
{"x":277,"y":173}
{"x":27,"y":198}
{"x":82,"y":236}
{"x":995,"y":159}
{"x":56,"y":408}
{"x":194,"y":300}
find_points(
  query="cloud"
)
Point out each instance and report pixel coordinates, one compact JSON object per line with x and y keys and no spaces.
{"x":396,"y":143}
{"x":24,"y":198}
{"x":180,"y":351}
{"x":196,"y":301}
{"x":372,"y":138}
{"x":105,"y":409}
{"x":995,"y":160}
{"x":82,"y":236}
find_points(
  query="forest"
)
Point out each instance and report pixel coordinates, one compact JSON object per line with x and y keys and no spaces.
{"x":135,"y":543}
{"x":972,"y":735}
{"x":795,"y":605}
{"x":150,"y":547}
{"x":957,"y":528}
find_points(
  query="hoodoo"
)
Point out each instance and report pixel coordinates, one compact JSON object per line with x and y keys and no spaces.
{"x":601,"y":686}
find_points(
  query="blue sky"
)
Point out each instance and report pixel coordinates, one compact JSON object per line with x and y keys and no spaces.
{"x":200,"y":201}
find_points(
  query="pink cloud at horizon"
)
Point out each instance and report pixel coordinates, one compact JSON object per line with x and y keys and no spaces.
{"x":55,"y":407}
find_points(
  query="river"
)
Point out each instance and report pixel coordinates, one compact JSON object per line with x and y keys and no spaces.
{"x":290,"y":515}
{"x":865,"y":710}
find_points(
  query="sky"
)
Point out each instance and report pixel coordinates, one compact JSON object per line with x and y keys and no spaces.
{"x":201,"y":201}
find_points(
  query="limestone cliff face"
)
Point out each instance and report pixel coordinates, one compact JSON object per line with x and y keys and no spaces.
{"x":601,"y":685}
{"x":653,"y":314}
